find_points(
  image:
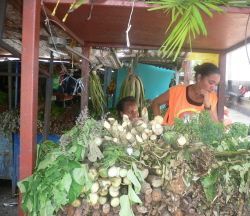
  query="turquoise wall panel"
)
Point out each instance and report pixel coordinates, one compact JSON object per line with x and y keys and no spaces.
{"x":155,"y":79}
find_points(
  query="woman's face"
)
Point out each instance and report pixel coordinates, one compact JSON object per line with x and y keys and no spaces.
{"x":131,"y":110}
{"x":210,"y":82}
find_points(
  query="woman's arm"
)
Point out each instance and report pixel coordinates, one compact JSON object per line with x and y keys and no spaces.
{"x":208,"y":105}
{"x":157,"y":102}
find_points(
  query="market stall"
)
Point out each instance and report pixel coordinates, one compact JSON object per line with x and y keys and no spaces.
{"x":104,"y":24}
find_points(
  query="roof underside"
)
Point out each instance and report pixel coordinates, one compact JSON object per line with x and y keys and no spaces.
{"x":109,"y":18}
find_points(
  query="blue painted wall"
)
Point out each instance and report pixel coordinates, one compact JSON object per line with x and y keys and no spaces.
{"x":155,"y":79}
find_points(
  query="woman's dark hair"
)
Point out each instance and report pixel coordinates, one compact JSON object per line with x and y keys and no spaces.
{"x":124,"y":102}
{"x":205,"y":69}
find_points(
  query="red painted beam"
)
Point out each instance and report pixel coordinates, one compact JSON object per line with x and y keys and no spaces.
{"x":29,"y":87}
{"x":119,"y":3}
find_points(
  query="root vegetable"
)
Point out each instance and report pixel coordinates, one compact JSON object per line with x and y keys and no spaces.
{"x":76,"y":203}
{"x":129,"y":151}
{"x":148,"y":131}
{"x":155,"y":181}
{"x":93,"y":198}
{"x":130,"y":137}
{"x":148,"y":199}
{"x":158,"y":119}
{"x":144,"y":136}
{"x":102,"y":200}
{"x":111,"y":120}
{"x":93,"y":174}
{"x":141,"y":209}
{"x":96,"y":206}
{"x":106,"y":208}
{"x":181,"y":141}
{"x":104,"y":183}
{"x":158,"y":172}
{"x":177,"y":186}
{"x":156,"y":195}
{"x":153,"y":137}
{"x":120,"y":128}
{"x":123,"y":173}
{"x":138,"y":139}
{"x":157,"y":129}
{"x":115,"y":202}
{"x":103,"y":172}
{"x":104,"y":192}
{"x":115,"y":140}
{"x":96,"y":213}
{"x":108,"y":138}
{"x":114,"y":191}
{"x":134,"y":131}
{"x":113,"y":172}
{"x":98,"y":141}
{"x":94,"y":187}
{"x":125,"y":118}
{"x":116,"y":181}
{"x":146,"y":188}
{"x":126,"y":181}
{"x":144,"y":173}
{"x":107,"y":125}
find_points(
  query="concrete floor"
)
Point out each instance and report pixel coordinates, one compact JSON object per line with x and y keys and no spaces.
{"x":8,"y":203}
{"x":238,"y":117}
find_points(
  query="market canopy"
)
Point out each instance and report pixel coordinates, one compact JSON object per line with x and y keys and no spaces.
{"x":105,"y":22}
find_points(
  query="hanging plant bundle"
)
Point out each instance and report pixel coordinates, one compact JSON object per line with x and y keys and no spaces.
{"x":96,"y":93}
{"x":133,"y":86}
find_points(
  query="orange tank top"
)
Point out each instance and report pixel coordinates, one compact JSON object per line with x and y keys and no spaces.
{"x":180,"y":107}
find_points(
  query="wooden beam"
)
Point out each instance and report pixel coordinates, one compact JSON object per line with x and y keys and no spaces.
{"x":222,"y":87}
{"x":238,"y":45}
{"x":9,"y":85}
{"x":10,"y":49}
{"x":60,"y":24}
{"x":3,"y":4}
{"x":29,"y":86}
{"x":118,"y":3}
{"x":85,"y":77}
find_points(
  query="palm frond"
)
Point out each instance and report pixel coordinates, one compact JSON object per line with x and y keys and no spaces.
{"x":186,"y":21}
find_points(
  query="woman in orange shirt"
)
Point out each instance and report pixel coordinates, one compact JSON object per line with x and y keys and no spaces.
{"x":184,"y":100}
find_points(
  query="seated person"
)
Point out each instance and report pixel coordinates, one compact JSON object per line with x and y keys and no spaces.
{"x":184,"y":101}
{"x":127,"y":106}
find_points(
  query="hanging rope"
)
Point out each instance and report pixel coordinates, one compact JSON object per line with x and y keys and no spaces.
{"x":129,"y":25}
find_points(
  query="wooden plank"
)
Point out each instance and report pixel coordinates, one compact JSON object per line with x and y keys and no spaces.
{"x":9,"y":85}
{"x":2,"y":16}
{"x":222,"y":87}
{"x":85,"y":76}
{"x":29,"y":86}
{"x":48,"y":96}
{"x":60,"y":24}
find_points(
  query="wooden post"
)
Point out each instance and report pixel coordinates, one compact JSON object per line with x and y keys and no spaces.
{"x":48,"y":96}
{"x":29,"y":86}
{"x":9,"y":85}
{"x":85,"y":76}
{"x":222,"y":86}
